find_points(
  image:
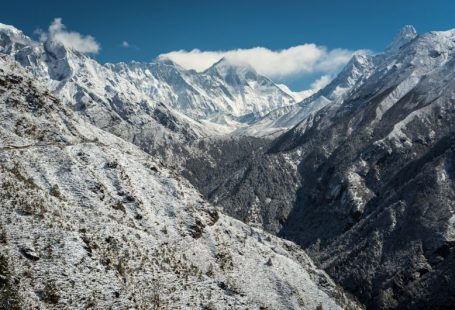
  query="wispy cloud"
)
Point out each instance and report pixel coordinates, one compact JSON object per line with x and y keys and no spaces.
{"x":293,"y":61}
{"x":70,"y":39}
{"x":127,"y":44}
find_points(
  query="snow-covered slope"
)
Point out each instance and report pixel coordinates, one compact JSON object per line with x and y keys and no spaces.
{"x":373,"y":200}
{"x":356,"y":72}
{"x":223,"y":89}
{"x":89,"y":220}
{"x":279,"y":120}
{"x":122,"y":98}
{"x":298,"y":96}
{"x":99,"y":95}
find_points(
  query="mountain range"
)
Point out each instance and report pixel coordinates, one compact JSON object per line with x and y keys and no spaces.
{"x":138,"y":185}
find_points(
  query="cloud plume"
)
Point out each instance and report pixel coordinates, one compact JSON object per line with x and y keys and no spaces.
{"x":293,"y":61}
{"x":70,"y":39}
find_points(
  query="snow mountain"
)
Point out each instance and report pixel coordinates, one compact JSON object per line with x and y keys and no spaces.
{"x":365,"y":183}
{"x":88,"y":220}
{"x":281,"y":119}
{"x":137,"y":101}
{"x":359,"y":174}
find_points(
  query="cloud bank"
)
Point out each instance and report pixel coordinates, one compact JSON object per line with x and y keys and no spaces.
{"x":71,"y":39}
{"x":293,"y":61}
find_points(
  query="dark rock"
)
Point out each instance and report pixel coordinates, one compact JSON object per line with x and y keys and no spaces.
{"x":111,"y":164}
{"x":29,"y":254}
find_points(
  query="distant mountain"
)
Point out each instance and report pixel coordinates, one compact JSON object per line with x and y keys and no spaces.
{"x":160,"y":99}
{"x":224,"y":90}
{"x":281,"y":119}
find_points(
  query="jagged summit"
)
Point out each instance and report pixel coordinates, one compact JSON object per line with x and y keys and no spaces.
{"x":13,"y":40}
{"x":406,"y":35}
{"x":5,"y":27}
{"x":10,"y":29}
{"x":167,"y":62}
{"x":225,"y":66}
{"x":233,"y":90}
{"x":358,"y":68}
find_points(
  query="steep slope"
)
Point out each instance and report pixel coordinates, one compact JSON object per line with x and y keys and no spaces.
{"x":89,"y":220}
{"x":241,"y":177}
{"x":366,"y":183}
{"x":279,"y":120}
{"x":224,"y":89}
{"x":376,"y":204}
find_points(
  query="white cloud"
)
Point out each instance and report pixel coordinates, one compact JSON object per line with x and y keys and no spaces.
{"x":70,"y":39}
{"x":321,"y":82}
{"x":293,"y":61}
{"x":128,"y":45}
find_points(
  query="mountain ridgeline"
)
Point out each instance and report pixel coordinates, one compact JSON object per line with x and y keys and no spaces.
{"x":110,"y":171}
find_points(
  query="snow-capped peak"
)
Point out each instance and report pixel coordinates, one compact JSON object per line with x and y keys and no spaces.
{"x":225,"y":67}
{"x":9,"y":28}
{"x":228,"y":89}
{"x":12,"y":39}
{"x":167,"y":62}
{"x":299,"y":95}
{"x":406,"y":35}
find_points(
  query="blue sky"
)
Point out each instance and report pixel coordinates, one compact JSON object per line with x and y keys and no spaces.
{"x":152,"y":28}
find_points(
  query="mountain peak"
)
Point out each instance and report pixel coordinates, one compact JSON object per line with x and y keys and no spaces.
{"x":12,"y":40}
{"x":165,"y":61}
{"x":225,"y":66}
{"x":9,"y":28}
{"x":406,"y":35}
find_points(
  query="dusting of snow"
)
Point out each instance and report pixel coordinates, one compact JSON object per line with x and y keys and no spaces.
{"x":90,"y":220}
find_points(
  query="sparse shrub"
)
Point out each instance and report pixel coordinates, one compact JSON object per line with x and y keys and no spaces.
{"x":119,"y":206}
{"x":9,"y":299}
{"x":55,"y":191}
{"x":50,"y":294}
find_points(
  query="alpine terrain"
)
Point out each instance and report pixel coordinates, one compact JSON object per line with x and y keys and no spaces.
{"x":365,"y":183}
{"x":150,"y":186}
{"x":88,"y":220}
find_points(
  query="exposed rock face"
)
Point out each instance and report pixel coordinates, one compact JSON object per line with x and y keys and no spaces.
{"x":89,"y":220}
